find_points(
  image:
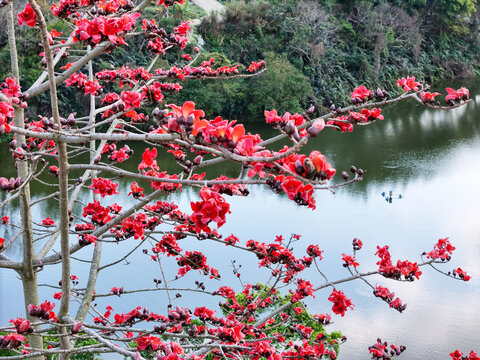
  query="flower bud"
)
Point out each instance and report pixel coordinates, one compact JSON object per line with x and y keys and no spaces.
{"x":290,"y":128}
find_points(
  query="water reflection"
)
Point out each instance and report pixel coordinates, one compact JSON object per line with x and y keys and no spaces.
{"x":429,"y":157}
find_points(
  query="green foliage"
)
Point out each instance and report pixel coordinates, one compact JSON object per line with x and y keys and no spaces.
{"x":79,"y":343}
{"x":316,"y":51}
{"x":277,"y":325}
{"x":54,"y":339}
{"x":281,"y":87}
{"x":354,"y":42}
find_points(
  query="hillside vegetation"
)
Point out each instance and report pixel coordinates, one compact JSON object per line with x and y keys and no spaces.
{"x":316,"y":51}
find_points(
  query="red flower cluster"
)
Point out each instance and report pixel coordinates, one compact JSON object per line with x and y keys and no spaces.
{"x":255,"y":66}
{"x":117,"y":155}
{"x":380,"y":350}
{"x":197,"y":261}
{"x":116,"y":291}
{"x":110,"y":98}
{"x":100,"y":215}
{"x":461,"y":274}
{"x":372,"y":114}
{"x":204,"y":313}
{"x":148,"y":159}
{"x":168,"y":244}
{"x":131,"y":99}
{"x":314,"y":251}
{"x":183,"y":28}
{"x":387,"y":296}
{"x":10,"y":88}
{"x":162,"y":207}
{"x":168,"y":3}
{"x":341,"y":123}
{"x":103,"y":28}
{"x":22,"y":326}
{"x":275,"y":253}
{"x":136,"y":191}
{"x":27,"y":16}
{"x":84,"y":227}
{"x":357,"y":244}
{"x":87,"y":239}
{"x":149,"y":343}
{"x":43,"y":311}
{"x":54,"y":170}
{"x":361,"y":94}
{"x":231,"y":240}
{"x":340,"y":302}
{"x":457,"y":355}
{"x":287,"y":123}
{"x":442,"y":250}
{"x":295,"y":189}
{"x":104,"y":187}
{"x":6,"y":114}
{"x":408,"y":84}
{"x":12,"y":340}
{"x":136,"y":314}
{"x":323,"y":319}
{"x":48,"y":222}
{"x":203,"y":71}
{"x":81,"y":83}
{"x":124,"y":75}
{"x":349,"y":260}
{"x":229,"y":189}
{"x":428,"y":97}
{"x":158,"y":37}
{"x":314,"y":167}
{"x":92,"y":88}
{"x":213,"y":207}
{"x":456,"y":95}
{"x":304,"y":289}
{"x":164,"y":186}
{"x":76,"y":79}
{"x":136,"y":225}
{"x":67,"y":7}
{"x":407,"y":269}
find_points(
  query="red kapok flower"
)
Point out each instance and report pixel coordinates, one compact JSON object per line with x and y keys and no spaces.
{"x":461,"y":274}
{"x":428,"y":97}
{"x":148,"y":159}
{"x":213,"y":207}
{"x":131,"y":99}
{"x":27,"y":16}
{"x":11,"y":87}
{"x":187,"y":109}
{"x":340,"y":302}
{"x":48,"y":222}
{"x":136,"y":191}
{"x":361,"y":93}
{"x":408,"y":84}
{"x":350,"y":260}
{"x":456,"y":355}
{"x":104,"y":187}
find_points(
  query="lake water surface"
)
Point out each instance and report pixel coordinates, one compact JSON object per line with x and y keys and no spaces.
{"x":429,"y":157}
